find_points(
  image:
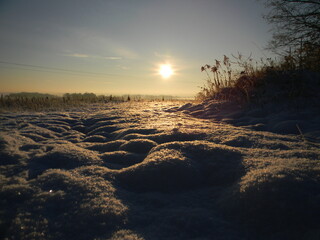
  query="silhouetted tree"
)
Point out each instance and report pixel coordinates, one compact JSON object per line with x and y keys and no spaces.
{"x":294,"y":21}
{"x":296,"y":29}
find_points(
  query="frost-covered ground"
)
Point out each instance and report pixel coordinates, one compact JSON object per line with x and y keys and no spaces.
{"x":159,"y":171}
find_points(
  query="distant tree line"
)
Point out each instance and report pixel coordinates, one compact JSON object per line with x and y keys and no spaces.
{"x":42,"y":102}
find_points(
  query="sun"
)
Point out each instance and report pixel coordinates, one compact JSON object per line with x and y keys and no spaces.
{"x":165,"y":70}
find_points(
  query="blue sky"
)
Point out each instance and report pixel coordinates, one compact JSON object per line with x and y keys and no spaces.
{"x":116,"y":47}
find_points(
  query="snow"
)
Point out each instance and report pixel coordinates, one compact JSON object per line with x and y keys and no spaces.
{"x":275,"y":118}
{"x":160,"y":170}
{"x":138,"y":145}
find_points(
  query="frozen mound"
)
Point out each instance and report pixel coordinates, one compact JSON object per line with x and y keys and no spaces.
{"x":107,"y":147}
{"x":36,"y":133}
{"x":79,"y":127}
{"x":95,"y":121}
{"x":121,"y":159}
{"x":54,"y":126}
{"x":212,"y":109}
{"x":165,"y":171}
{"x":138,"y":145}
{"x":181,"y":166}
{"x":168,"y":136}
{"x":100,"y":171}
{"x":73,"y":136}
{"x":99,"y":124}
{"x":10,"y":148}
{"x":239,"y":140}
{"x":125,"y":234}
{"x":285,"y":193}
{"x":60,"y":205}
{"x":278,"y":117}
{"x":252,"y":140}
{"x":103,"y":130}
{"x":95,"y":138}
{"x":120,"y":134}
{"x":64,"y":156}
{"x":16,"y":192}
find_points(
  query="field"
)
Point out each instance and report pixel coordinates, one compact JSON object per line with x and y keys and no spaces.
{"x":160,"y":170}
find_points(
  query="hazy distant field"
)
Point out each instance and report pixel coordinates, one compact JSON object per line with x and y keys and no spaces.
{"x":155,"y":170}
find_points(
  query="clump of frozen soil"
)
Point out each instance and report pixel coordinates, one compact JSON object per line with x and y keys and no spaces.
{"x":177,"y":166}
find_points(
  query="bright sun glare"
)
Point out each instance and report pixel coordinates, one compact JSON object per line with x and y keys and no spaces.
{"x":165,"y":71}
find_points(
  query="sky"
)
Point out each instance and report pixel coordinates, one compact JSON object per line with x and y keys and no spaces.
{"x":118,"y":46}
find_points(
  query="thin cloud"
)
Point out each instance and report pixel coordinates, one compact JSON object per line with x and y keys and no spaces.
{"x":77,"y":55}
{"x":80,"y":55}
{"x":112,"y":58}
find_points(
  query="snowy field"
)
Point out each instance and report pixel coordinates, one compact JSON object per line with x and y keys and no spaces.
{"x":159,"y":171}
